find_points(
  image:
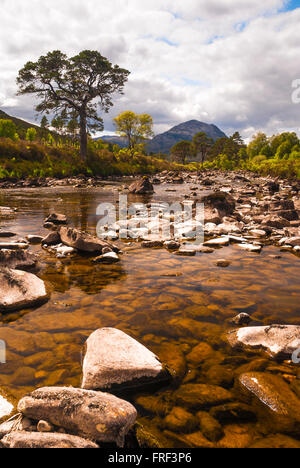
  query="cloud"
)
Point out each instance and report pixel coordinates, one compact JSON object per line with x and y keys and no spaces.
{"x":220,"y":61}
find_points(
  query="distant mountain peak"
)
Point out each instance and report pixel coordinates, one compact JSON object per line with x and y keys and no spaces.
{"x":184,"y":131}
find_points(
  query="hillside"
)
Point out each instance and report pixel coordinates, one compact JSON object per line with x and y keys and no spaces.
{"x":22,"y":125}
{"x":185,"y":131}
{"x":163,"y":143}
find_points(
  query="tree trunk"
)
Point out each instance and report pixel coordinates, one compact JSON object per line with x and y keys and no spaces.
{"x":83,"y":136}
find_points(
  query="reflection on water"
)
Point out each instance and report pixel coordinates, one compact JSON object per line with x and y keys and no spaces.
{"x":169,"y":303}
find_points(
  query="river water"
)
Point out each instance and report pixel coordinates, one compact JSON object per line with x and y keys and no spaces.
{"x":167,"y":302}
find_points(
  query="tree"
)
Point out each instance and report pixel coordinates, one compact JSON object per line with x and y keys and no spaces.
{"x":8,"y":129}
{"x":134,"y":127}
{"x":31,"y":134}
{"x":202,"y":144}
{"x":76,"y":84}
{"x":181,"y":151}
{"x":44,"y":123}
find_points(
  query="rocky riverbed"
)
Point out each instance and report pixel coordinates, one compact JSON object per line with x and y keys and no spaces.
{"x":206,"y":332}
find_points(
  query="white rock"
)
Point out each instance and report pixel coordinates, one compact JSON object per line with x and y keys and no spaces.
{"x":251,"y":247}
{"x":221,"y":241}
{"x":19,"y":289}
{"x":114,"y":358}
{"x":6,"y":407}
{"x":278,"y":340}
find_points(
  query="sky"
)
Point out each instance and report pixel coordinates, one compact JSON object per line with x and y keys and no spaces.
{"x":219,"y":61}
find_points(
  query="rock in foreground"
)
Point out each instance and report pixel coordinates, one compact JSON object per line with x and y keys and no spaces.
{"x":280,"y":341}
{"x":97,"y":416}
{"x":30,"y":440}
{"x":19,"y":290}
{"x":115,"y":359}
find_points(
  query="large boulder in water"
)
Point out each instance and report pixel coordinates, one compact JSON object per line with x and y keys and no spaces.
{"x":222,"y":202}
{"x":19,"y":289}
{"x":37,"y":440}
{"x":83,"y":241}
{"x":17,"y":259}
{"x":94,"y":415}
{"x":115,"y":360}
{"x":141,"y":187}
{"x":280,"y":341}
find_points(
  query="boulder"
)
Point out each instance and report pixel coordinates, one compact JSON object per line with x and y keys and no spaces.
{"x":17,"y":259}
{"x":83,"y":241}
{"x":223,"y":202}
{"x":36,"y":440}
{"x":280,"y":341}
{"x":53,"y":238}
{"x":274,"y":221}
{"x":56,"y":218}
{"x":277,"y":405}
{"x":141,"y":187}
{"x":95,"y":415}
{"x":19,"y":289}
{"x":114,"y":359}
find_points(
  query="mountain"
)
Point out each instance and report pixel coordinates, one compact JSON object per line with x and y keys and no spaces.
{"x":185,"y":131}
{"x":163,"y":143}
{"x":115,"y":140}
{"x":22,"y":125}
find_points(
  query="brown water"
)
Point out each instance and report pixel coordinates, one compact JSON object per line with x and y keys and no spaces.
{"x":168,"y":303}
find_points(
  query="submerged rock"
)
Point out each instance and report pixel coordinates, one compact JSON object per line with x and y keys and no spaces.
{"x":202,"y":395}
{"x":19,"y":290}
{"x":17,"y":259}
{"x":241,"y":319}
{"x":36,"y":440}
{"x":210,"y":427}
{"x":280,"y":341}
{"x":98,"y":416}
{"x":141,"y":187}
{"x":276,"y":441}
{"x":83,"y":241}
{"x":115,"y":359}
{"x":277,"y":405}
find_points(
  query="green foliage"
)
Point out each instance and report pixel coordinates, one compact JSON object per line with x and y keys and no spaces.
{"x":31,"y":134}
{"x":182,"y":151}
{"x":134,"y":127}
{"x":70,"y":87}
{"x":8,"y":129}
{"x":276,"y":156}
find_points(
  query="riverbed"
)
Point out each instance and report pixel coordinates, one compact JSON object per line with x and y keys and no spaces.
{"x":167,"y":302}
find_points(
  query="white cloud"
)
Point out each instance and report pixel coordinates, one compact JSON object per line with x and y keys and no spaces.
{"x":227,"y":62}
